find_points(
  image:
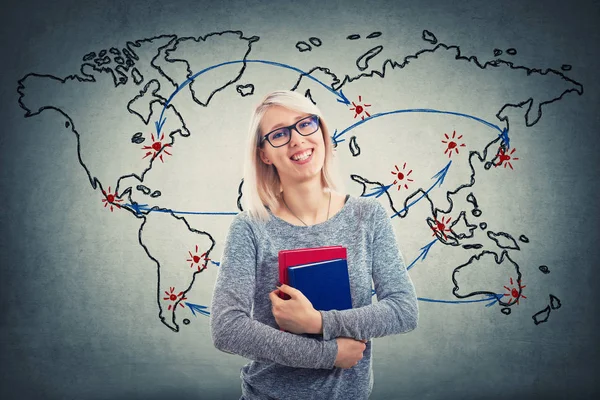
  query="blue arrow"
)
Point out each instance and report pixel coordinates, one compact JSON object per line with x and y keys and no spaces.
{"x":159,"y":124}
{"x":197,"y":307}
{"x":487,"y":298}
{"x":378,"y":191}
{"x":439,"y":176}
{"x":503,"y":132}
{"x":144,"y":207}
{"x":497,"y":297}
{"x":504,"y":137}
{"x":336,"y":135}
{"x":217,"y":263}
{"x":137,"y":207}
{"x":334,"y":138}
{"x":423,"y":254}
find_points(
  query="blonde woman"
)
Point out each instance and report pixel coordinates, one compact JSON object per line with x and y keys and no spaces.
{"x":291,"y":201}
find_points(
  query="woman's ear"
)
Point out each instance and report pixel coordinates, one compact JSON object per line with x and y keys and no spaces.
{"x":264,"y":157}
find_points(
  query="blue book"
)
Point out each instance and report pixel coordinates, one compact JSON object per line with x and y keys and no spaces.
{"x":325,"y":283}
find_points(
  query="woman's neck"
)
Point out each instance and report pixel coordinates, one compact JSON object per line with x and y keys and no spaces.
{"x":306,"y":201}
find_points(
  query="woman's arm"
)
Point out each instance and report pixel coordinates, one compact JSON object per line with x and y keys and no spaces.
{"x":396,"y":310}
{"x":232,"y":328}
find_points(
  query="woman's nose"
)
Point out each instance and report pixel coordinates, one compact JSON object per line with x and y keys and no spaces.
{"x":296,"y":138}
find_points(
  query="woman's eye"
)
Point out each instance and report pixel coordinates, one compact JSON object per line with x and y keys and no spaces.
{"x":277,"y":135}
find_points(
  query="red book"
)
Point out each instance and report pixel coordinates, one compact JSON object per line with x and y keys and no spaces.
{"x":290,"y":258}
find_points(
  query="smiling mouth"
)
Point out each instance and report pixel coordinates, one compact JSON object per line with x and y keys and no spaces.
{"x":302,"y":156}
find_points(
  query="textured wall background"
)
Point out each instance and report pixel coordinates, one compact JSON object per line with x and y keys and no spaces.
{"x":83,"y":289}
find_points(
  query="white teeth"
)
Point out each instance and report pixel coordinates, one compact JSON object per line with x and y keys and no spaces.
{"x":302,"y":156}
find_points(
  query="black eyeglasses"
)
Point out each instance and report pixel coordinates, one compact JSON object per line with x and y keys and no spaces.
{"x":282,"y":136}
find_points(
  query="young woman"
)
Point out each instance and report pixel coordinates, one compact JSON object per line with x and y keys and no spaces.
{"x":298,"y":352}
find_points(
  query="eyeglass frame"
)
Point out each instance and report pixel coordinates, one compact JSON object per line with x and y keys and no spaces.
{"x":294,"y":127}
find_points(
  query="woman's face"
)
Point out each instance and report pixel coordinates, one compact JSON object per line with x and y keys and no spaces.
{"x":302,"y":158}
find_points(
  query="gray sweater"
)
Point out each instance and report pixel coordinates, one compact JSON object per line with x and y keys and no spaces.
{"x":290,"y":366}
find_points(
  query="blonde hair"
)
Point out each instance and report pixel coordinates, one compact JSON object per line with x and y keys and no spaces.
{"x":262,"y":186}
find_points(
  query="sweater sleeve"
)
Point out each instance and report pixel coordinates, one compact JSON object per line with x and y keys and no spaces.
{"x":233,"y":330}
{"x":396,"y":310}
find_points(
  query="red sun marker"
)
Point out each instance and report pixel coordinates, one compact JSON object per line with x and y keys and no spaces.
{"x":359,"y":109}
{"x":111,"y":199}
{"x":513,"y":292}
{"x":452,"y":143}
{"x":174,"y":297}
{"x":401,"y":177}
{"x":441,"y":227}
{"x":505,"y":157}
{"x":195,"y":260}
{"x":156,"y":147}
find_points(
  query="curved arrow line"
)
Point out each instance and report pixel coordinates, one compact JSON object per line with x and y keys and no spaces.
{"x":494,"y":299}
{"x":441,"y":175}
{"x":196,"y":212}
{"x":488,"y":298}
{"x":503,"y":132}
{"x":341,"y":97}
{"x":423,"y":254}
{"x":415,"y":201}
{"x":143,"y":207}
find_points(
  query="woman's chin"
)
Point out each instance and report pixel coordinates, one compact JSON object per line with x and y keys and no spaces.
{"x":303,"y":176}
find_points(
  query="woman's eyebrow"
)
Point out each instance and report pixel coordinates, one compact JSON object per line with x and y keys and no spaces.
{"x":281,"y":124}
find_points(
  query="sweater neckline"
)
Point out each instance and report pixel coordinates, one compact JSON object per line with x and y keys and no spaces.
{"x":331,"y":219}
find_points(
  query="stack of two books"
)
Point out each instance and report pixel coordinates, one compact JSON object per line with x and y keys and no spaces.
{"x":320,"y":273}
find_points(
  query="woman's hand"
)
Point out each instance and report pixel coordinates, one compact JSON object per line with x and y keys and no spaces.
{"x":296,"y":315}
{"x":350,"y":352}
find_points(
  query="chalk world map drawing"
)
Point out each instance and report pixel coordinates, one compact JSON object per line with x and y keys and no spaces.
{"x":148,"y":144}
